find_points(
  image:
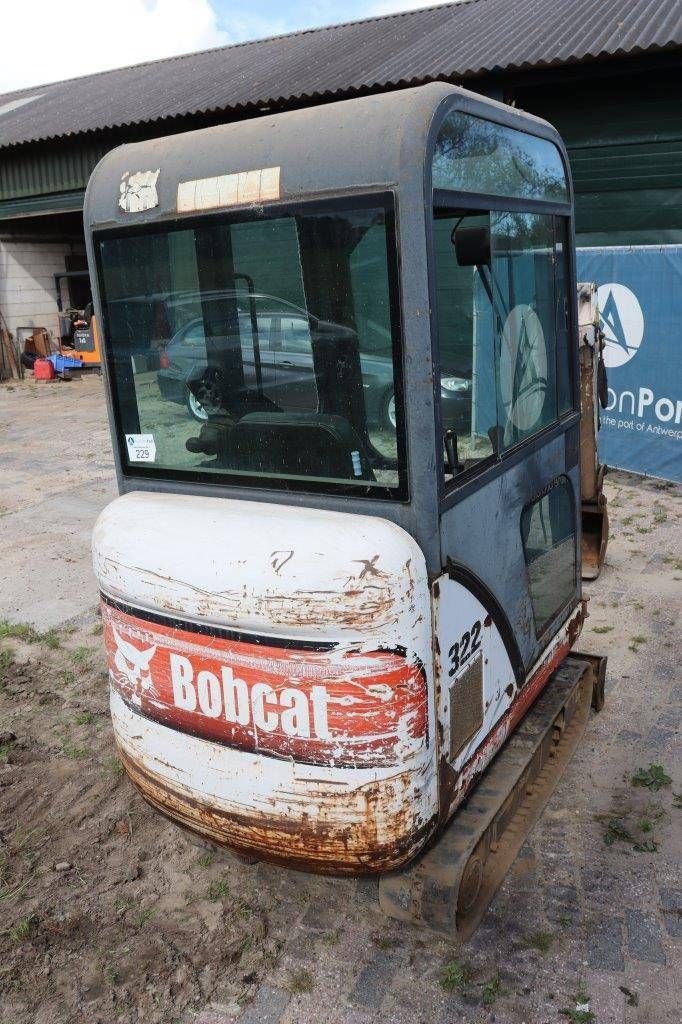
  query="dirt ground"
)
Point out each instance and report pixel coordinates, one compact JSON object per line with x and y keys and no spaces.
{"x":110,"y":914}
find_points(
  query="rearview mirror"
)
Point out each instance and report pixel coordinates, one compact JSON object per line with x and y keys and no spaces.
{"x":472,"y":246}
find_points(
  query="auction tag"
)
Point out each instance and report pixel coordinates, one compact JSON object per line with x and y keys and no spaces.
{"x":141,"y":447}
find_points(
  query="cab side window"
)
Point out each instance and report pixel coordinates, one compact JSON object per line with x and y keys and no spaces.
{"x":548,"y":535}
{"x":502,"y":313}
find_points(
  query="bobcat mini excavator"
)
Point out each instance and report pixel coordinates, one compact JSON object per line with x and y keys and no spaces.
{"x":341,"y":583}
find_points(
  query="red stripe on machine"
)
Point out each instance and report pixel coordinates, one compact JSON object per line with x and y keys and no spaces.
{"x":333,"y":707}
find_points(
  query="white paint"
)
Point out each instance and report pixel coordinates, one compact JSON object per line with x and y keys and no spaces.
{"x":455,"y":611}
{"x":255,"y":186}
{"x":357,"y":580}
{"x":622,"y":322}
{"x":141,"y":447}
{"x":138,"y":191}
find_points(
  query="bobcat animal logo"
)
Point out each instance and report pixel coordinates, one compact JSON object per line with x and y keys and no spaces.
{"x":132,"y":662}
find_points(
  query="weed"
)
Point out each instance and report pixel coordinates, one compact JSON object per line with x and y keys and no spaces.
{"x":74,"y":752}
{"x":677,"y":800}
{"x":331,"y":938}
{"x":67,"y":676}
{"x":205,"y":860}
{"x":577,"y":1016}
{"x":114,"y":767}
{"x":21,"y":930}
{"x":10,"y":894}
{"x":645,"y":825}
{"x":84,"y":718}
{"x":631,"y":998}
{"x":660,"y":514}
{"x":616,"y":832}
{"x":542,"y":941}
{"x":602,"y":629}
{"x":456,"y":975}
{"x":670,"y":560}
{"x":565,"y":920}
{"x":300,"y":982}
{"x":217,"y":890}
{"x":51,"y":639}
{"x":654,"y":778}
{"x":644,"y":529}
{"x":145,"y":916}
{"x":6,"y":663}
{"x":636,"y":642}
{"x":638,"y":605}
{"x":97,"y":629}
{"x":627,"y":521}
{"x":244,"y":911}
{"x":111,"y":976}
{"x":6,"y":750}
{"x":490,"y":991}
{"x":81,"y":655}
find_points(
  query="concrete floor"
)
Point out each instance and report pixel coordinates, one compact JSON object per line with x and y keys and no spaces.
{"x":578,"y":919}
{"x":57,"y":475}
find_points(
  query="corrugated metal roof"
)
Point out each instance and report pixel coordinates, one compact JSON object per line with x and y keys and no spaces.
{"x":455,"y":41}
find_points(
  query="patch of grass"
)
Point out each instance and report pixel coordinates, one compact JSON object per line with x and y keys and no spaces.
{"x":456,"y":975}
{"x":638,"y":605}
{"x":67,"y":676}
{"x":627,"y":520}
{"x":205,"y":860}
{"x":18,"y":631}
{"x":81,"y":655}
{"x":74,"y":752}
{"x":565,"y":920}
{"x":300,"y":982}
{"x":84,"y":718}
{"x":660,"y":514}
{"x":602,"y":629}
{"x":21,"y":930}
{"x":24,"y":631}
{"x":542,"y":941}
{"x":6,"y":750}
{"x":675,"y":562}
{"x":217,"y":890}
{"x":244,"y":911}
{"x":145,"y":915}
{"x":51,"y":639}
{"x":654,"y":778}
{"x":113,"y":766}
{"x":490,"y":991}
{"x":332,"y":938}
{"x":97,"y":629}
{"x":636,"y":642}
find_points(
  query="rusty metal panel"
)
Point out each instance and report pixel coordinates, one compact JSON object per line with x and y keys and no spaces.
{"x":272,"y":691}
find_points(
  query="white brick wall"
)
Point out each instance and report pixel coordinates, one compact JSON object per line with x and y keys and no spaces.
{"x":27,"y":293}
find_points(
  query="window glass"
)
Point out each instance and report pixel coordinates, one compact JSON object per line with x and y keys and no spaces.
{"x":260,"y":348}
{"x":523,"y":274}
{"x":503,"y":330}
{"x":547,"y":530}
{"x":466,"y":336}
{"x":473,"y":155}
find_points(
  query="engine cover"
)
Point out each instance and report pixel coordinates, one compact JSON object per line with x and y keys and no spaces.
{"x":271,"y":676}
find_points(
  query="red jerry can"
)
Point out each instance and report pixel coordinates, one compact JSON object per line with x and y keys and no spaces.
{"x":43,"y":370}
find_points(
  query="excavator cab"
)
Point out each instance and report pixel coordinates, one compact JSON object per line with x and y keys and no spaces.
{"x":341,"y":583}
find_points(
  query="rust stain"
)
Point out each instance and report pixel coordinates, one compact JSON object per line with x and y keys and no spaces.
{"x":382,"y":840}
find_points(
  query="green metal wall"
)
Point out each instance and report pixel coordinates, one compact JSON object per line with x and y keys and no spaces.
{"x":624,"y":138}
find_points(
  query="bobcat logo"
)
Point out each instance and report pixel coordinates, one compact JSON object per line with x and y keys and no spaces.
{"x":132,"y":662}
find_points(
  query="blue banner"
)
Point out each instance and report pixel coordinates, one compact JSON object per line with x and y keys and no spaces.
{"x":640,"y":302}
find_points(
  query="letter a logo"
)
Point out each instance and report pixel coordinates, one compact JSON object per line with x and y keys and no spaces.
{"x":622,"y":322}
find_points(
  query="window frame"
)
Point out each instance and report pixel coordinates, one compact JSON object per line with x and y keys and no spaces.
{"x":385,"y":198}
{"x":453,"y":491}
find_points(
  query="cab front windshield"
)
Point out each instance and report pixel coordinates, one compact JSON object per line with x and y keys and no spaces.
{"x":259,"y":349}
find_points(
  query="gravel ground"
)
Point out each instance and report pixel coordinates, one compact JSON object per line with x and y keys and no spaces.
{"x":109,"y":914}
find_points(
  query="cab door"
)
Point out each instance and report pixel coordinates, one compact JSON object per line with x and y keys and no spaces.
{"x":509,"y":486}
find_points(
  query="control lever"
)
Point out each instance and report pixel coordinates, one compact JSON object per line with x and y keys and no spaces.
{"x":454,"y":465}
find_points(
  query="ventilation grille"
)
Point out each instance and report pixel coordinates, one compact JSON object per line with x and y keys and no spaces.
{"x":466,"y":706}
